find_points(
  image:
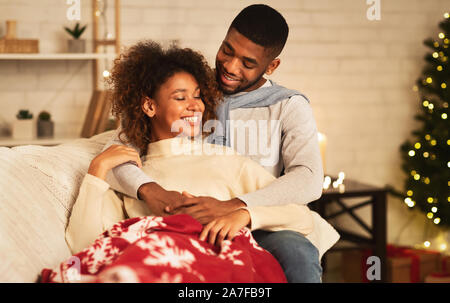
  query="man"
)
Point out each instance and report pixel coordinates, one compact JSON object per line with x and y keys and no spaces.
{"x":250,"y":49}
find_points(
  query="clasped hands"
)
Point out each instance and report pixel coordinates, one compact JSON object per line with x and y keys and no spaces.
{"x":221,"y":220}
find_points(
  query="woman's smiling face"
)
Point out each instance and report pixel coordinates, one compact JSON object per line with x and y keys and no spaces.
{"x":176,"y":108}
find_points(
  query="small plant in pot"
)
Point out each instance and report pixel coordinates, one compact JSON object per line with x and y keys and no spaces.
{"x":23,"y":126}
{"x":45,"y":125}
{"x":76,"y":45}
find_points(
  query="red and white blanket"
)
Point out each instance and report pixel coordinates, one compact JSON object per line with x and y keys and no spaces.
{"x":167,"y":249}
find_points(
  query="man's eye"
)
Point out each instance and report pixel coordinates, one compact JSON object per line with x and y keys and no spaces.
{"x":198,"y":97}
{"x":248,"y":65}
{"x":179,"y":98}
{"x":226,"y":51}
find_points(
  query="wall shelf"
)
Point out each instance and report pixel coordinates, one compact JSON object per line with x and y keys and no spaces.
{"x":58,"y":56}
{"x":95,"y":122}
{"x":10,"y":142}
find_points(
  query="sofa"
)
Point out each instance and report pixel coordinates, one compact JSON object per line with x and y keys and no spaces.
{"x":38,"y":186}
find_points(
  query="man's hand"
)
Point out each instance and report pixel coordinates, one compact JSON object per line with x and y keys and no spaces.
{"x":204,"y":209}
{"x":225,"y":227}
{"x":157,"y":198}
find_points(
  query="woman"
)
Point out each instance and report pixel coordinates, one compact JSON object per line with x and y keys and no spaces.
{"x":163,"y":98}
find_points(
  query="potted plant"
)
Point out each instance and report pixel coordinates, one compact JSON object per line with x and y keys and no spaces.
{"x":44,"y":125}
{"x":23,"y":127}
{"x":76,"y":45}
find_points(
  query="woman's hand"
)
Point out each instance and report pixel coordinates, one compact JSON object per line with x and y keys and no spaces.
{"x":112,"y":157}
{"x":225,"y":227}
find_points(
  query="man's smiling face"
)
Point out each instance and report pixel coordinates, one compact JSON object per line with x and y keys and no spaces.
{"x":241,"y":64}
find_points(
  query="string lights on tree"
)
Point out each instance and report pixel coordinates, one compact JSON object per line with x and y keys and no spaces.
{"x":426,"y":159}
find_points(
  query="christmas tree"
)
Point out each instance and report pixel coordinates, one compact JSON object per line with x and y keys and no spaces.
{"x":426,"y":158}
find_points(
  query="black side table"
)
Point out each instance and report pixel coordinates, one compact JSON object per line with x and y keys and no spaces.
{"x":376,"y":198}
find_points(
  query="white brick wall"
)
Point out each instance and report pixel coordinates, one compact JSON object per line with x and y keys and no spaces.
{"x":357,"y":73}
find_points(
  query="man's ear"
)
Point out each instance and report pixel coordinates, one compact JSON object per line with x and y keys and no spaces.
{"x":149,"y":107}
{"x":272,"y":66}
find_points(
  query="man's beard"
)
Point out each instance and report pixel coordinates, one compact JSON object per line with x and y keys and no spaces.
{"x":238,"y":89}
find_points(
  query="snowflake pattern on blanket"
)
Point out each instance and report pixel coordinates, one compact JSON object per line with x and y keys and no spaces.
{"x":167,"y":249}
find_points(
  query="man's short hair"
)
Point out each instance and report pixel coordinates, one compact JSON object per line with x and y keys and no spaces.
{"x":262,"y":25}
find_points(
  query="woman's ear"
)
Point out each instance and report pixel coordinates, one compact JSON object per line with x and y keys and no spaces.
{"x":149,"y":107}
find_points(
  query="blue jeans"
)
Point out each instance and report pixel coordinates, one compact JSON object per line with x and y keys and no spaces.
{"x":298,"y":257}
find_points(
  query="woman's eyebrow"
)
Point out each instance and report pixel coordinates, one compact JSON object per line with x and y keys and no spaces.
{"x":183,"y":90}
{"x":179,"y":90}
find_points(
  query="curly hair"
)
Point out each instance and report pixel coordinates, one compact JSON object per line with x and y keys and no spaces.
{"x":140,"y":72}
